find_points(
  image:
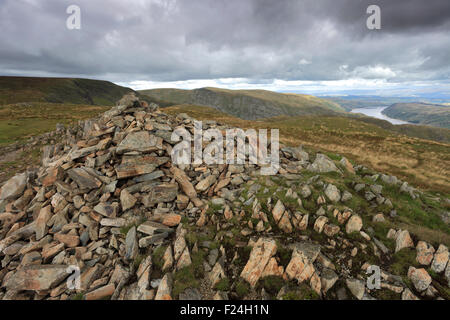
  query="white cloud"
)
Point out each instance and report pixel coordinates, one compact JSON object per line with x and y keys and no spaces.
{"x":336,"y":87}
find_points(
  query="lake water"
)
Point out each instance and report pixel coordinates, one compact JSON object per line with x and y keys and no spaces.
{"x":376,"y":113}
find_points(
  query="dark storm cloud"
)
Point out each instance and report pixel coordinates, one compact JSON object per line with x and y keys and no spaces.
{"x":209,"y":39}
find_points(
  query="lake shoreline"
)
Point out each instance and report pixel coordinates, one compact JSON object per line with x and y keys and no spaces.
{"x":377,"y":112}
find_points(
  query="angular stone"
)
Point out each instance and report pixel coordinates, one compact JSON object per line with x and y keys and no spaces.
{"x":37,"y":277}
{"x":184,"y":260}
{"x":333,"y":193}
{"x":322,"y":164}
{"x":116,"y":223}
{"x":132,"y":166}
{"x":425,"y":253}
{"x":228,"y":213}
{"x":58,"y":202}
{"x":285,"y":224}
{"x":164,"y":288}
{"x":403,"y":240}
{"x":131,"y":244}
{"x":83,"y":179}
{"x":320,"y":223}
{"x":392,"y":234}
{"x":80,"y":153}
{"x":376,"y":188}
{"x":305,"y":191}
{"x":347,"y":164}
{"x":408,"y":295}
{"x":378,"y":218}
{"x":70,"y":241}
{"x":164,"y":192}
{"x":260,"y":255}
{"x":32,"y":257}
{"x":100,"y":293}
{"x":40,"y":226}
{"x":183,"y":180}
{"x":216,"y":274}
{"x":440,"y":259}
{"x":89,"y":276}
{"x":107,"y":210}
{"x":150,"y":228}
{"x":272,"y":269}
{"x":140,"y":141}
{"x":331,"y":230}
{"x":303,"y":224}
{"x":328,"y":278}
{"x":51,"y":250}
{"x":168,"y":259}
{"x":171,"y":220}
{"x":278,"y":211}
{"x":127,"y":200}
{"x":354,"y":224}
{"x":309,"y":250}
{"x":206,"y":183}
{"x":147,"y":241}
{"x":420,"y":278}
{"x":346,"y":196}
{"x":300,"y":267}
{"x":356,"y":287}
{"x":14,"y":187}
{"x":53,"y":174}
{"x":222,"y":184}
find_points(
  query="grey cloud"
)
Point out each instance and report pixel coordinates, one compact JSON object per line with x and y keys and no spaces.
{"x":202,"y":39}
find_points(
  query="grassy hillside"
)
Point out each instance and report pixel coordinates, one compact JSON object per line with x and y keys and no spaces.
{"x":421,"y":113}
{"x":59,"y":90}
{"x":248,"y":104}
{"x":422,"y":162}
{"x":18,"y":122}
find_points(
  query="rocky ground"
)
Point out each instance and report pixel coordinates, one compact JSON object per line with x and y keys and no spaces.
{"x":109,"y":200}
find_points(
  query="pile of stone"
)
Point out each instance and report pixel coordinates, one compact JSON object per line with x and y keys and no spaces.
{"x":108,"y":197}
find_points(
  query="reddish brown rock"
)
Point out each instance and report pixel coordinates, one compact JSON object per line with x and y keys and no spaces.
{"x":40,"y":226}
{"x":101,"y":293}
{"x":260,"y":255}
{"x":403,"y":240}
{"x":70,"y":241}
{"x":37,"y":277}
{"x":171,"y":220}
{"x":54,"y":174}
{"x":425,"y":253}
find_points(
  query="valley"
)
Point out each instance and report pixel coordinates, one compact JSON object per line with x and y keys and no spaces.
{"x":377,"y":112}
{"x":421,"y":113}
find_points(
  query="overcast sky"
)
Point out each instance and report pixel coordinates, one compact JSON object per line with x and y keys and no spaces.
{"x":312,"y":46}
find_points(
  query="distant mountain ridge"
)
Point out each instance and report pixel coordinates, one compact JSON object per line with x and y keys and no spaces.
{"x":351,"y":102}
{"x":421,"y":113}
{"x":59,"y":90}
{"x":247,"y":104}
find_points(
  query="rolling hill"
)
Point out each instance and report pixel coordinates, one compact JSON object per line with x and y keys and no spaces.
{"x":247,"y":104}
{"x":262,"y":104}
{"x":421,"y":113}
{"x":422,"y":162}
{"x":59,"y":90}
